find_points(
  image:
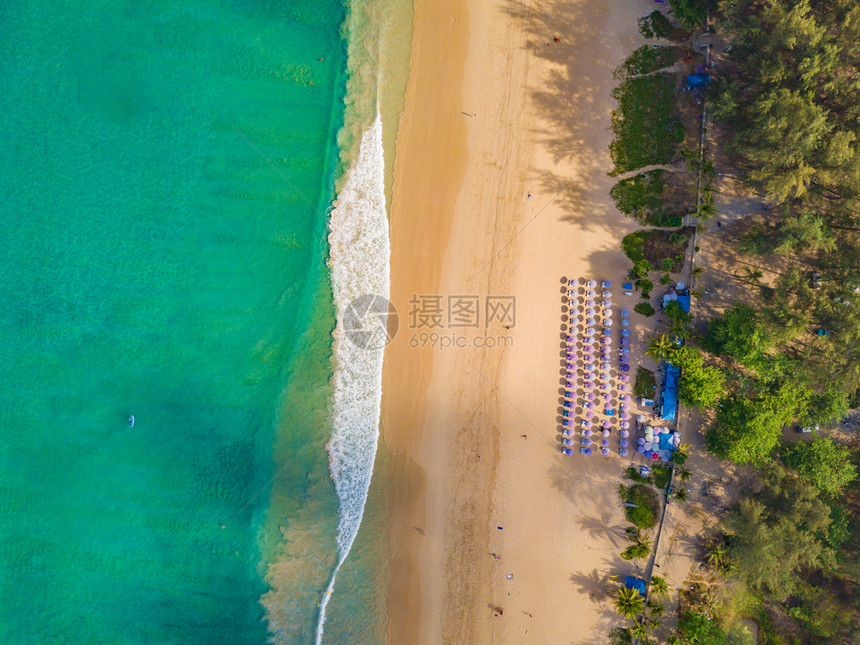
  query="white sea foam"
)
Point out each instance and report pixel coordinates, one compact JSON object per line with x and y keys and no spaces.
{"x":359,"y":261}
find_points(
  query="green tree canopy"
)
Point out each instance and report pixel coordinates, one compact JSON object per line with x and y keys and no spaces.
{"x":738,"y":334}
{"x":823,"y":463}
{"x":777,"y":531}
{"x":695,"y":628}
{"x":701,"y":386}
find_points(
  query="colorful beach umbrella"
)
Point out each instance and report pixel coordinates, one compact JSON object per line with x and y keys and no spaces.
{"x":624,"y":378}
{"x":623,"y":452}
{"x":604,"y":442}
{"x":623,"y":443}
{"x":606,"y":294}
{"x":625,"y":416}
{"x":625,"y":313}
{"x":591,"y":284}
{"x":625,"y":333}
{"x":625,"y":322}
{"x":604,"y":451}
{"x":607,"y":424}
{"x":589,"y":415}
{"x":606,"y":284}
{"x":624,"y":434}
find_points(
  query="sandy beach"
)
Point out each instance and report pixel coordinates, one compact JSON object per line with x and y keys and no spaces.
{"x":500,"y":190}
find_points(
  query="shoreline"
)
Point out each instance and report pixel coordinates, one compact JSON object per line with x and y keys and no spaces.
{"x":506,"y":202}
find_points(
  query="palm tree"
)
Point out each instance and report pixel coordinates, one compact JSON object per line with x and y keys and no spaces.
{"x":656,"y":609}
{"x":718,"y":557}
{"x":662,"y":348}
{"x":709,"y":603}
{"x":681,"y":494}
{"x":684,"y":474}
{"x":659,"y":587}
{"x":640,"y":628}
{"x":629,"y":603}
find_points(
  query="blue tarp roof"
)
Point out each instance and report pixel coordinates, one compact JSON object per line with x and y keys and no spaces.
{"x":670,"y":393}
{"x":698,"y":80}
{"x":635,"y":583}
{"x":684,"y":301}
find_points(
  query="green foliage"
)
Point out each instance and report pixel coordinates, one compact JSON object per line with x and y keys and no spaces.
{"x":775,"y":533}
{"x":661,"y":476}
{"x":659,"y":587}
{"x":645,"y":383}
{"x":644,"y":514}
{"x":738,"y":334}
{"x":682,"y":322}
{"x":691,"y":13}
{"x":644,"y":308}
{"x":749,"y":424}
{"x":823,"y":463}
{"x":632,"y":472}
{"x":825,"y":406}
{"x":646,"y":125}
{"x":629,"y":603}
{"x":656,"y":25}
{"x":645,"y":60}
{"x":645,"y":286}
{"x":701,"y":386}
{"x":661,"y":348}
{"x":633,"y":246}
{"x":641,"y":197}
{"x":695,"y":628}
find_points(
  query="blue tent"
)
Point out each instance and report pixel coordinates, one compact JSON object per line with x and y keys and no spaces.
{"x":670,"y":393}
{"x":684,"y":301}
{"x":698,"y":80}
{"x":635,"y":583}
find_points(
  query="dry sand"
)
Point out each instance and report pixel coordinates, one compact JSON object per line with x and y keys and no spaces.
{"x":497,"y":110}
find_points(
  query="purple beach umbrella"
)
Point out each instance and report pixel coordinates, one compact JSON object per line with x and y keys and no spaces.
{"x":625,"y":313}
{"x":606,"y":284}
{"x":624,"y":443}
{"x":607,"y":424}
{"x":586,"y":433}
{"x":606,"y":304}
{"x":625,"y":333}
{"x":607,"y":397}
{"x":625,"y":416}
{"x":625,"y":425}
{"x":625,"y":368}
{"x":625,"y":322}
{"x":625,"y":350}
{"x":640,"y":450}
{"x":589,"y":415}
{"x":606,"y":294}
{"x":606,"y":340}
{"x":591,"y":284}
{"x":622,"y":387}
{"x":623,"y":452}
{"x":590,"y":396}
{"x":586,"y":423}
{"x":604,"y":442}
{"x":624,"y":434}
{"x":589,"y":303}
{"x":588,"y":451}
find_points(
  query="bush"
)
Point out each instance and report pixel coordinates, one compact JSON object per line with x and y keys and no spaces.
{"x":632,"y":472}
{"x":645,"y":60}
{"x":645,"y":286}
{"x":645,"y":383}
{"x":644,"y":308}
{"x":633,"y":246}
{"x":661,"y":476}
{"x":644,"y":514}
{"x":656,"y":25}
{"x":697,"y":628}
{"x":646,"y":125}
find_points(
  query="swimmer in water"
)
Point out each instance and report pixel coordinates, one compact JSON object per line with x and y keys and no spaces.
{"x":131,"y":421}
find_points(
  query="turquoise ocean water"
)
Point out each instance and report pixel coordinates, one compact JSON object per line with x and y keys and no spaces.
{"x":167,"y":173}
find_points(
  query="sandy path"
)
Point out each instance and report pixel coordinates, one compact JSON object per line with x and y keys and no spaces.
{"x":463,"y":224}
